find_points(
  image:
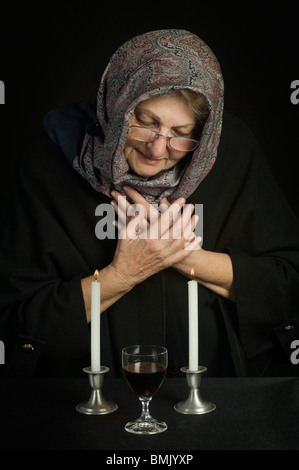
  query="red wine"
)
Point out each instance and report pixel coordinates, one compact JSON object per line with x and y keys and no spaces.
{"x":145,"y":378}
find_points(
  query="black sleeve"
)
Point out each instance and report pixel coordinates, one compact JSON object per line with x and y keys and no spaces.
{"x":261,"y":234}
{"x":246,"y":215}
{"x":266,"y":271}
{"x":41,"y":301}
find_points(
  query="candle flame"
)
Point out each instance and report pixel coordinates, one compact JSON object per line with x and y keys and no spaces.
{"x":192,"y":273}
{"x":96,"y":273}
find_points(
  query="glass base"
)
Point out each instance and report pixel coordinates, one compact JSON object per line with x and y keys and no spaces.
{"x":146,"y":427}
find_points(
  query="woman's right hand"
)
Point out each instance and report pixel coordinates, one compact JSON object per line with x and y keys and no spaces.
{"x":150,"y":240}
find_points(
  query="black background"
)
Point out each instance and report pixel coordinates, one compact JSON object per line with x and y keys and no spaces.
{"x":54,"y":54}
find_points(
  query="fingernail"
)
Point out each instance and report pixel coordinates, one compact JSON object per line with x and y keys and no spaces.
{"x":112,"y":193}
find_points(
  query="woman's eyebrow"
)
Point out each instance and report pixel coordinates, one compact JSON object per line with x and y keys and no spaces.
{"x":187,"y":127}
{"x":147,"y":113}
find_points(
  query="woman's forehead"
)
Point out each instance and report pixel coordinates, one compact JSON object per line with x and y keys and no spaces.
{"x":167,"y":108}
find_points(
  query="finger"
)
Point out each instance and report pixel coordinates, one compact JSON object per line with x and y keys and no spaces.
{"x":126,"y":212}
{"x":195,"y":244}
{"x":138,"y":212}
{"x":120,"y":205}
{"x":137,"y":216}
{"x":164,"y":204}
{"x":170,"y":217}
{"x":136,"y":197}
{"x":147,"y":227}
{"x":117,"y":210}
{"x":151,"y":211}
{"x":194,"y":221}
{"x":189,"y":222}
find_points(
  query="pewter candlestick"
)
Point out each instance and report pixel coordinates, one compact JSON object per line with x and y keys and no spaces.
{"x":96,"y":405}
{"x":194,"y":405}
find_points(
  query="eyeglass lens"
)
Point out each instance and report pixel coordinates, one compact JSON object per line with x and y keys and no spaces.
{"x":148,"y":135}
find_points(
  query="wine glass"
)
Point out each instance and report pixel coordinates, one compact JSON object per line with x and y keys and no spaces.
{"x":144,"y":368}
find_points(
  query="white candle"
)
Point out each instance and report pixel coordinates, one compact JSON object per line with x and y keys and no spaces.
{"x":95,"y":324}
{"x":193,"y":323}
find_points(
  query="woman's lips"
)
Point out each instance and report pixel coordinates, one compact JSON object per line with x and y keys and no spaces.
{"x":150,"y":160}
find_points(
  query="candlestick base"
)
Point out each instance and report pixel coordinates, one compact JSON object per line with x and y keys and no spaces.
{"x":96,"y":405}
{"x":194,"y":405}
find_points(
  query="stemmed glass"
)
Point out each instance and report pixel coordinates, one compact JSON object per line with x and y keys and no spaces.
{"x":144,"y":368}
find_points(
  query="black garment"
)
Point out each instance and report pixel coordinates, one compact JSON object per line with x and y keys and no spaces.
{"x":48,"y":244}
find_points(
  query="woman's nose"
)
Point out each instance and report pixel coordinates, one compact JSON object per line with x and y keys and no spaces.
{"x":159,"y":147}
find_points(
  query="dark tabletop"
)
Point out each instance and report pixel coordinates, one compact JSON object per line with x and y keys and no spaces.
{"x":250,"y":414}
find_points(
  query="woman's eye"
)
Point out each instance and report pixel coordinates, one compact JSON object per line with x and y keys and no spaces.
{"x":178,"y":134}
{"x":147,"y":124}
{"x":143,"y":123}
{"x":181,"y":134}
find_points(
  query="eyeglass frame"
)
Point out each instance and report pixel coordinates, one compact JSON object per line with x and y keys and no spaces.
{"x":157,"y":135}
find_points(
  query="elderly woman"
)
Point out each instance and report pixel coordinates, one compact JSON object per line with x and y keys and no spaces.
{"x":158,"y":140}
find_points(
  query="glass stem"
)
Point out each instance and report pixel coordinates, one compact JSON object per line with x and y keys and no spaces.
{"x":145,"y":414}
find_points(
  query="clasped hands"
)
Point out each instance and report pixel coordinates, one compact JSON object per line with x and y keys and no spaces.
{"x":152,"y":237}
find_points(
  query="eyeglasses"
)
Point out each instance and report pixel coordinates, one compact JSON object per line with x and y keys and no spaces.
{"x":142,"y":134}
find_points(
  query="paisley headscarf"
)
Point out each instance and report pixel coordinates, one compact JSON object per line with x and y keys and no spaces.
{"x":151,"y":64}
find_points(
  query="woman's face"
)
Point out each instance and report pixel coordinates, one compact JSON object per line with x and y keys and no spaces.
{"x":168,"y":115}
